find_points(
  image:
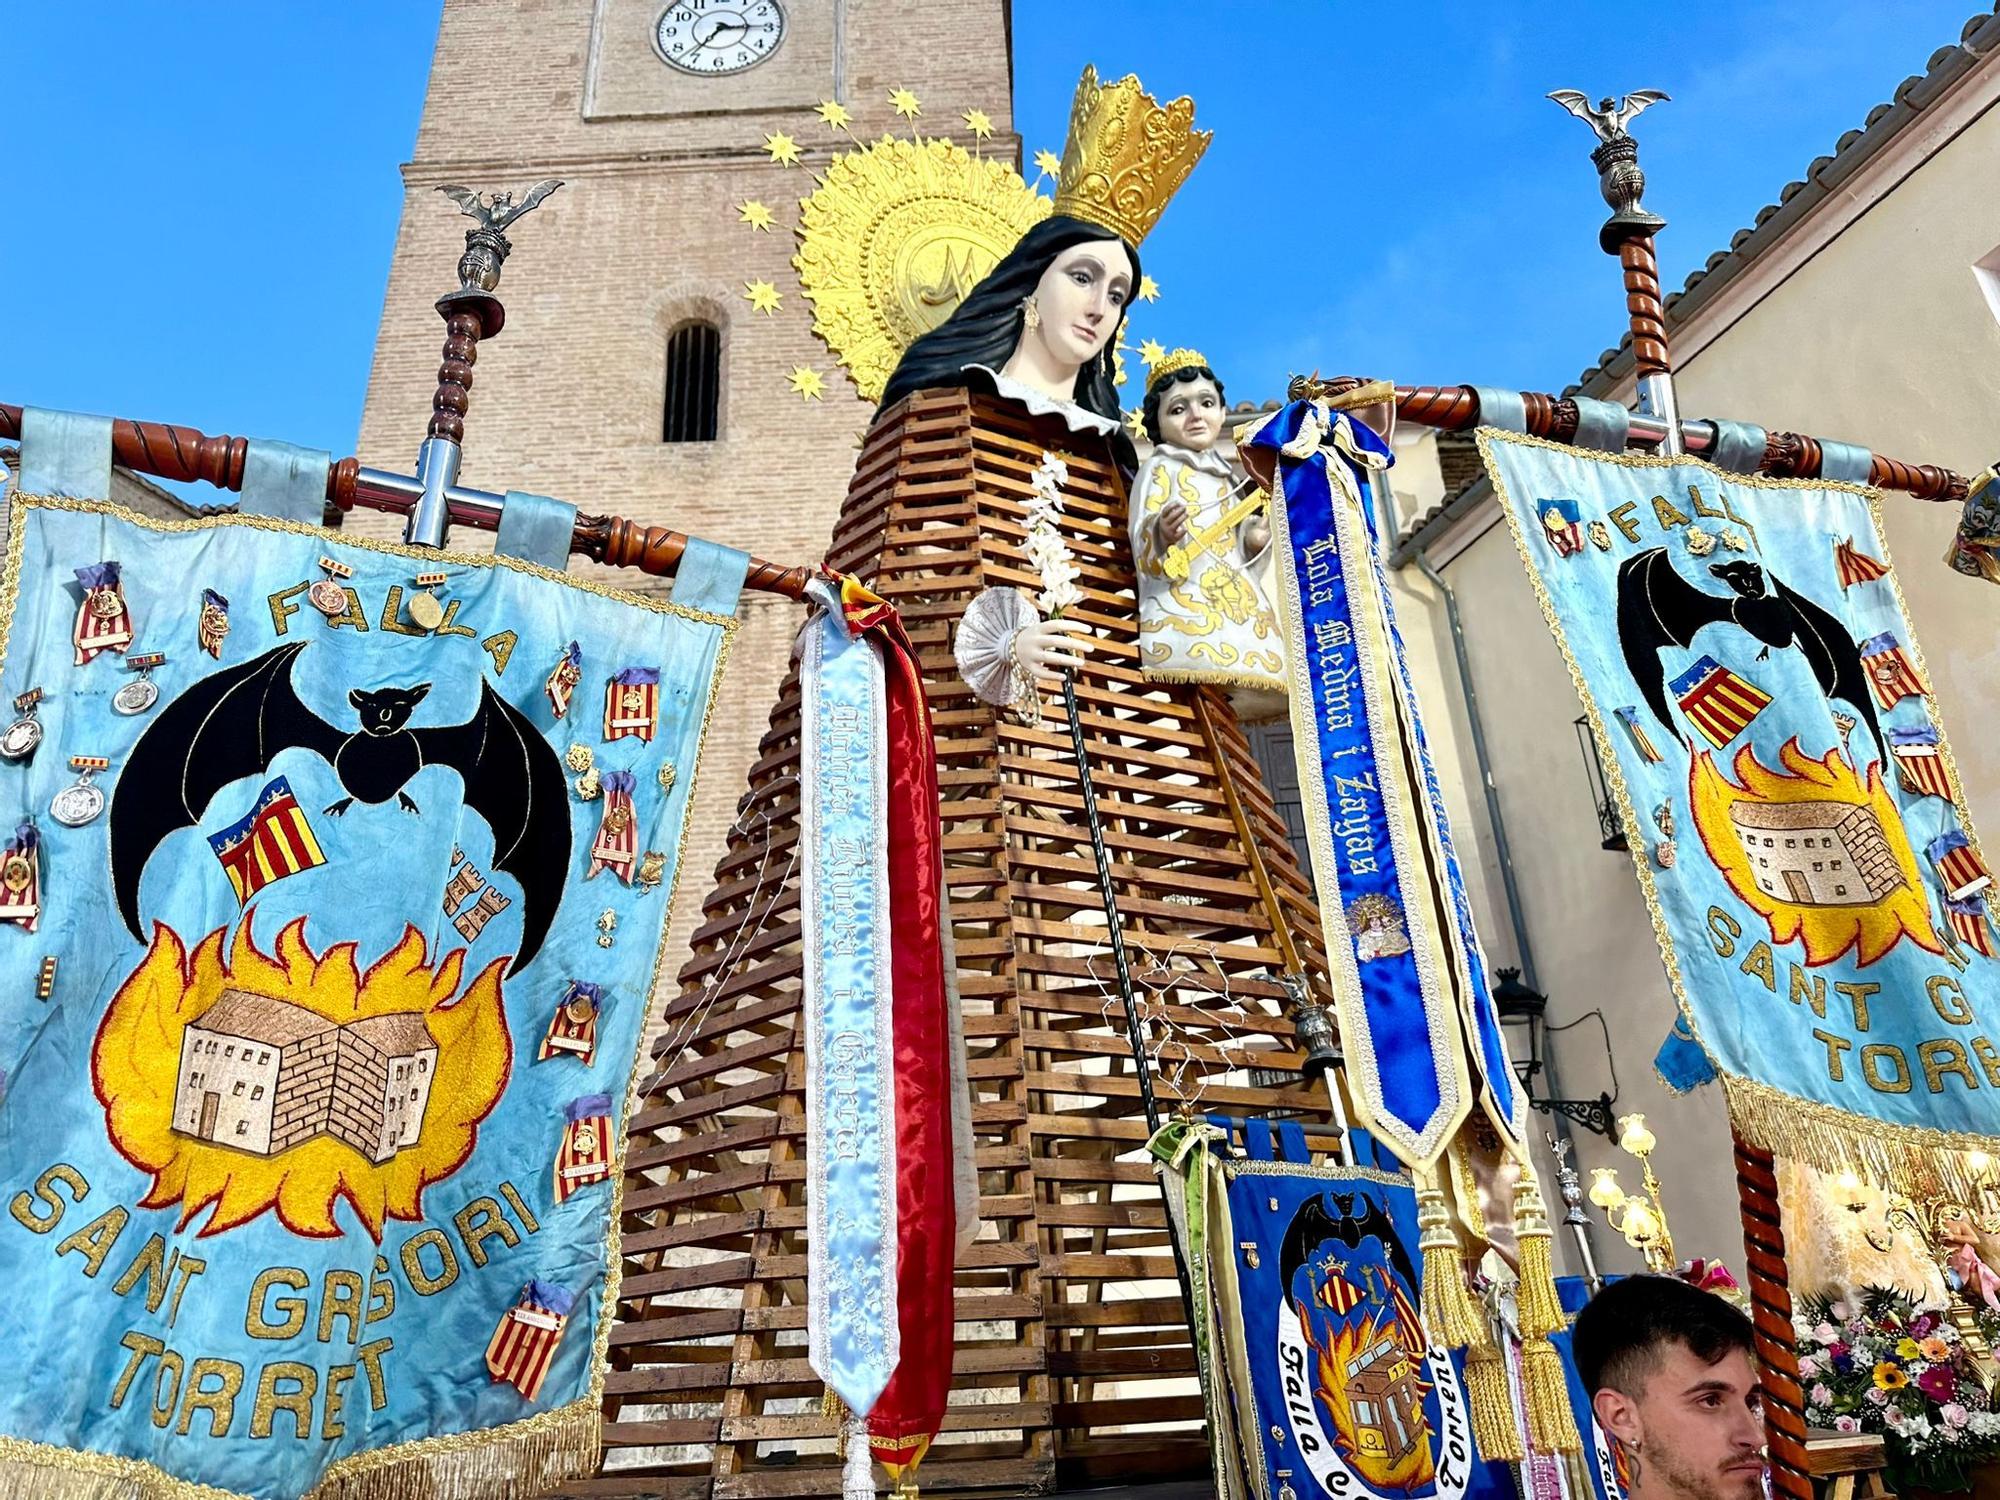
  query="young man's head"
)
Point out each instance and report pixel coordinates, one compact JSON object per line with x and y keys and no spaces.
{"x":1670,"y":1377}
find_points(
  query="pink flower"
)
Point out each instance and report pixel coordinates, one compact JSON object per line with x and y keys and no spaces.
{"x":1893,"y":1416}
{"x":1822,"y":1395}
{"x":1826,"y":1333}
{"x":1840,"y":1311}
{"x":1879,"y":1396}
{"x":1846,"y":1424}
{"x":1808,"y":1367}
{"x":1938,"y":1383}
{"x":1954,"y":1414}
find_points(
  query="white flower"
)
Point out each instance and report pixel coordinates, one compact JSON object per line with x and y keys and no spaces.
{"x":1841,"y":1312}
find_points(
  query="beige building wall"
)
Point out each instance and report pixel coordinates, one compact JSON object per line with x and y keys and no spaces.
{"x":643,"y":236}
{"x":1867,"y":322}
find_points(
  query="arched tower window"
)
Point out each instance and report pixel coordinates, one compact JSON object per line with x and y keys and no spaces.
{"x":694,"y":384}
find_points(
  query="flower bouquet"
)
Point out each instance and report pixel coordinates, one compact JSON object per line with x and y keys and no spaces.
{"x":1874,"y":1363}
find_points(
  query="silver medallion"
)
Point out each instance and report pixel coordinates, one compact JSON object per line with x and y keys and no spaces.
{"x":77,"y":804}
{"x":20,"y":738}
{"x":136,"y":696}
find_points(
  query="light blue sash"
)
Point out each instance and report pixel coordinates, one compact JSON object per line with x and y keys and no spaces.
{"x":1415,"y":1012}
{"x":851,"y":1328}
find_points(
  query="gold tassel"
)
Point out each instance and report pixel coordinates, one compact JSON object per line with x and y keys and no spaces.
{"x":835,"y":1411}
{"x":1492,"y":1407}
{"x":1551,"y":1423}
{"x":1455,"y":1319}
{"x":1451,"y":1317}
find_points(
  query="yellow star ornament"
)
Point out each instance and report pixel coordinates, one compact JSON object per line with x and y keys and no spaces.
{"x":755,"y":214}
{"x":1135,"y":423}
{"x":978,"y":122}
{"x":1152,"y":352}
{"x":1048,"y":164}
{"x":807,"y":382}
{"x":905,"y":103}
{"x":784,"y":150}
{"x":762,"y":296}
{"x":1149,"y":289}
{"x":834,"y":113}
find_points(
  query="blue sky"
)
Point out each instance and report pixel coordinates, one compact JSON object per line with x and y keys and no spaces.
{"x":205,"y":197}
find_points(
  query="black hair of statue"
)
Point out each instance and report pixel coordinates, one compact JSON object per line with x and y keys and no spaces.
{"x":985,"y":328}
{"x":1622,"y":1333}
{"x":1151,"y":410}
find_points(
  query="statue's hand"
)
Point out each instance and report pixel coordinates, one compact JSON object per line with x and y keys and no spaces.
{"x":1049,"y":647}
{"x":1172,"y":523}
{"x":1256,"y":536}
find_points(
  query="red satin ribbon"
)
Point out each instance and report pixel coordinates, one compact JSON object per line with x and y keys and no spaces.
{"x":911,"y":1408}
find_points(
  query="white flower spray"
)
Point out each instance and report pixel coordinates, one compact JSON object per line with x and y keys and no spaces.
{"x":1046,"y":548}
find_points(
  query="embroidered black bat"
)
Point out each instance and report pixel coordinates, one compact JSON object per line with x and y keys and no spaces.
{"x":1312,"y":1226}
{"x":1658,"y":608}
{"x":234,"y":723}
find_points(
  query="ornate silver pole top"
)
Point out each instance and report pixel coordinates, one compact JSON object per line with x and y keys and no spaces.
{"x":1566,"y":1180}
{"x":1617,"y":161}
{"x":487,"y":245}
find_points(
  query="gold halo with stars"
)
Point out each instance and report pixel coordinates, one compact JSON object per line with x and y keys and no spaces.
{"x":894,"y":237}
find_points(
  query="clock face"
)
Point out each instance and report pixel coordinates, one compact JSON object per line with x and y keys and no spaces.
{"x":717,"y":37}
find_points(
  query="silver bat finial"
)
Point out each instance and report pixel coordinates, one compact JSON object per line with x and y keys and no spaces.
{"x":486,"y":243}
{"x":1609,"y":120}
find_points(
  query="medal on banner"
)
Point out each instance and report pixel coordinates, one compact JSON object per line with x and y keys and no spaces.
{"x":525,"y":1343}
{"x":426,"y":609}
{"x":141,"y":693}
{"x":82,"y":800}
{"x":1919,"y":766}
{"x":617,"y":843}
{"x":573,"y":1028}
{"x":563,"y":680}
{"x":103,"y":622}
{"x":19,"y":739}
{"x":584,"y":1156}
{"x":213,"y":626}
{"x":1958,"y":865}
{"x":1891,"y":673}
{"x":21,"y":880}
{"x":632,"y":703}
{"x":328,"y":596}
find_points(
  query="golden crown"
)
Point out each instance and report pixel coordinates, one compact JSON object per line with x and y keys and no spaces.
{"x":1168,"y":364}
{"x":1126,"y":155}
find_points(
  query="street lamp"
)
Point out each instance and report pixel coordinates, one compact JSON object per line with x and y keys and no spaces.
{"x":1641,"y":1217}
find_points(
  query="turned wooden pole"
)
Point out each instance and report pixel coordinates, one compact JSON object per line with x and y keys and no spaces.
{"x":1769,"y":1283}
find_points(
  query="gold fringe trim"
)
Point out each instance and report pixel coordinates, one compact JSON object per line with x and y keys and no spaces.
{"x":1921,"y":1164}
{"x":526,"y":1458}
{"x":1451,"y":1317}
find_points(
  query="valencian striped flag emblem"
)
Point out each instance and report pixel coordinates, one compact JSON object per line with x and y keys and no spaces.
{"x":1718,"y":702}
{"x":272,"y":841}
{"x":1969,"y":922}
{"x":525,"y":1343}
{"x":1958,"y":865}
{"x":584,"y":1156}
{"x":1642,"y":742}
{"x":1561,"y":521}
{"x":1918,"y":762}
{"x":1851,"y":565}
{"x":632,"y":703}
{"x":573,"y":1028}
{"x":1890,"y":672}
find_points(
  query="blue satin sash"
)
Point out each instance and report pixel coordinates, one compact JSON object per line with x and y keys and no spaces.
{"x":1416,"y":1014}
{"x":852,"y":1333}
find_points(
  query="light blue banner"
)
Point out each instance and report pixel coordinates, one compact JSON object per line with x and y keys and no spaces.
{"x":296,"y":1192}
{"x":1797,"y":823}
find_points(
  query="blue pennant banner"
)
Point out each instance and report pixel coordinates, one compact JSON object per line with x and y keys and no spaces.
{"x":1416,"y":1015}
{"x":1795,"y":818}
{"x":319,"y":1039}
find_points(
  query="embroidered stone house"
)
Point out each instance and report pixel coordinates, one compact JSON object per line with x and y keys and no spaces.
{"x":1817,"y":853}
{"x":263,"y":1075}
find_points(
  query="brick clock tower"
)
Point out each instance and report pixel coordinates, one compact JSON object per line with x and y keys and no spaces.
{"x":633,"y":375}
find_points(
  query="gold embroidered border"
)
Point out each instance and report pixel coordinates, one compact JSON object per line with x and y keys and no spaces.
{"x":524,"y":1457}
{"x":1832,"y":1139}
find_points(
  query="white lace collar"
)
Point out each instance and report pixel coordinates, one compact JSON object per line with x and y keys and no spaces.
{"x":1208,"y":460}
{"x":1041,"y":404}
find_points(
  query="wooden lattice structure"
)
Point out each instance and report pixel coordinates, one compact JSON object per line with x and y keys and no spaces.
{"x":1073,"y":1362}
